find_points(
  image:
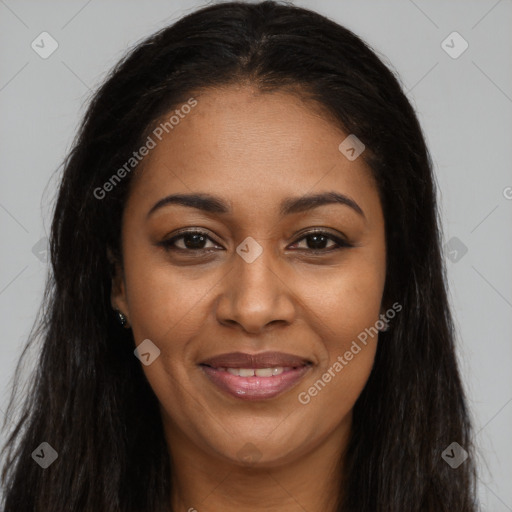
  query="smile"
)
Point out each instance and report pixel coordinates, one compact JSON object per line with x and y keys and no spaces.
{"x":255,"y":376}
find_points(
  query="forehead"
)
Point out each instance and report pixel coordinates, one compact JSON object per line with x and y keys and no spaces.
{"x":251,"y":148}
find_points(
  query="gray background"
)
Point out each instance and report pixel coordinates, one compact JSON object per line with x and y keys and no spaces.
{"x":464,"y":105}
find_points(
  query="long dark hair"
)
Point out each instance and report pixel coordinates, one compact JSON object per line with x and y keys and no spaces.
{"x":89,"y":398}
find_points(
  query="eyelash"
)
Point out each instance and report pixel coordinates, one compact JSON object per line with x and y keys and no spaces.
{"x":168,"y":245}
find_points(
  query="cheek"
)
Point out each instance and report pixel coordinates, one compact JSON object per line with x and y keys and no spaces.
{"x":344,"y":307}
{"x":346,"y":326}
{"x":332,"y":394}
{"x":163,"y":298}
{"x":345,"y":300}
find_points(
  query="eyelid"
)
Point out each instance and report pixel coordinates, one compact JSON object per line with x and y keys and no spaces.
{"x":340,"y":241}
{"x":168,"y":243}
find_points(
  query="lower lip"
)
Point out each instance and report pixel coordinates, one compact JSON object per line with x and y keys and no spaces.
{"x":255,"y":388}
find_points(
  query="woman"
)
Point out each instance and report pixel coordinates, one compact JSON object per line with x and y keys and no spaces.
{"x":248,"y":304}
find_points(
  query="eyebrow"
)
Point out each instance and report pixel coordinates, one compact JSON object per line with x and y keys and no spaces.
{"x":291,"y":205}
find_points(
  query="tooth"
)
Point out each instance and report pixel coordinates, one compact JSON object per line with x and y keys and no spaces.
{"x":263,"y":372}
{"x":258,"y":372}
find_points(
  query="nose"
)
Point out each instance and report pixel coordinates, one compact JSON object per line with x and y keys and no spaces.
{"x":256,"y":294}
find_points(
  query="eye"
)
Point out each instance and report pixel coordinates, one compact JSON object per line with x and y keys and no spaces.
{"x":316,"y":240}
{"x":191,"y":241}
{"x":195,"y":240}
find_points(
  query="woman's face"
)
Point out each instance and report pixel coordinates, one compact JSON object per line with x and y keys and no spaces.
{"x":253,"y":282}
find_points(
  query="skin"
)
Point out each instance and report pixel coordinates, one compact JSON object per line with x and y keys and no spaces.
{"x":253,"y":150}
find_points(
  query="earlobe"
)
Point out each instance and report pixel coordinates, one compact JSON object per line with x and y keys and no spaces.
{"x":383,"y":321}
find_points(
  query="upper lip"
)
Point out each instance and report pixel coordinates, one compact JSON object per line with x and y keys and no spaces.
{"x":261,"y":360}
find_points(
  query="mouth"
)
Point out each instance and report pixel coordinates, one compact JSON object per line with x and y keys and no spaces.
{"x":255,"y":377}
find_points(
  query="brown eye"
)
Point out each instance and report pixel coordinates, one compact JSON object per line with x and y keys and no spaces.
{"x":189,"y":241}
{"x":194,"y":241}
{"x":316,"y":242}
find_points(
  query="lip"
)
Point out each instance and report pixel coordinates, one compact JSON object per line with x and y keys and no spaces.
{"x":254,"y":387}
{"x":261,"y":360}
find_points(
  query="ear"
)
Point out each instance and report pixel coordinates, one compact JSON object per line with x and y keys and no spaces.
{"x":118,"y":288}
